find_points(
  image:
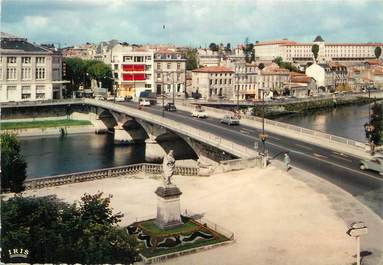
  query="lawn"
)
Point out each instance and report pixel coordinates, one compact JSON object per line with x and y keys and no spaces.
{"x":153,"y":230}
{"x":42,"y":124}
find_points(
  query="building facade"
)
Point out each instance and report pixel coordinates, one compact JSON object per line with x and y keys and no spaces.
{"x":169,"y":73}
{"x":292,"y":51}
{"x":133,"y":71}
{"x":207,"y":58}
{"x":28,"y":72}
{"x":213,"y":83}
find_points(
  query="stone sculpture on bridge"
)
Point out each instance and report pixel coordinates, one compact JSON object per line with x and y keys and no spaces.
{"x":168,"y":167}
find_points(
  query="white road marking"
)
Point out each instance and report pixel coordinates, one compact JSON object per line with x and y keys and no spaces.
{"x":305,"y":147}
{"x":339,"y":157}
{"x":319,"y":155}
{"x":275,"y":138}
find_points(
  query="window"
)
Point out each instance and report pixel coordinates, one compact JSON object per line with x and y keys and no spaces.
{"x":25,"y":60}
{"x":148,"y":67}
{"x":178,"y":87}
{"x":115,"y":66}
{"x":11,"y":59}
{"x":56,"y":60}
{"x":126,"y":58}
{"x":148,"y":85}
{"x":40,"y":60}
{"x":211,"y":82}
{"x":25,"y":92}
{"x":138,"y":59}
{"x":148,"y":58}
{"x":40,"y":92}
{"x":178,"y":66}
{"x":26,"y":73}
{"x":229,"y":81}
{"x":158,"y":75}
{"x":158,"y":65}
{"x":168,"y":65}
{"x":11,"y":93}
{"x":40,"y":73}
{"x":1,"y":74}
{"x":11,"y":73}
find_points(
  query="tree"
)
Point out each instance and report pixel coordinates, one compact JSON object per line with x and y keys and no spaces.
{"x":286,"y":65}
{"x":13,"y":165}
{"x":378,"y":52}
{"x":191,"y":59}
{"x":377,"y":122}
{"x":228,"y":47}
{"x":57,"y":232}
{"x":100,"y":71}
{"x":315,"y":50}
{"x":213,"y":47}
{"x":248,"y":50}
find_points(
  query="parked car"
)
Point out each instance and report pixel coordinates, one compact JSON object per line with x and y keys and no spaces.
{"x":199,"y":113}
{"x":144,"y":102}
{"x":170,"y":107}
{"x":99,"y":97}
{"x":119,"y":99}
{"x":230,"y":119}
{"x":375,"y":164}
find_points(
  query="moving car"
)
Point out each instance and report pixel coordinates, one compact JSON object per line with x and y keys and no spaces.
{"x":170,"y":107}
{"x":230,"y":119}
{"x":375,"y":164}
{"x":199,"y":113}
{"x":144,"y":102}
{"x":119,"y":99}
{"x":99,"y":97}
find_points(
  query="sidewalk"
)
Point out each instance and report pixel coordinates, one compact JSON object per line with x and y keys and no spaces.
{"x":319,"y":141}
{"x":278,"y":218}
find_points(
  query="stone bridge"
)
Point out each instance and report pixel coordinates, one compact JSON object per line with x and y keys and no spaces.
{"x":131,"y":125}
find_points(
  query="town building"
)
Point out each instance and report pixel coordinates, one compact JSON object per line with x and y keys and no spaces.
{"x":291,"y":51}
{"x":133,"y":70}
{"x":207,"y":57}
{"x":300,"y":85}
{"x":86,"y":51}
{"x":29,"y":72}
{"x":272,"y":78}
{"x":213,"y":82}
{"x":170,"y":72}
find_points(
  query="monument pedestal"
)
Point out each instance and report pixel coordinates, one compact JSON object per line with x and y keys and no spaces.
{"x":168,"y":206}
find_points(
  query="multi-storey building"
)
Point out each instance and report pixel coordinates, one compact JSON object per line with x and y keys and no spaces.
{"x":245,"y":81}
{"x":272,"y":78}
{"x":213,"y":83}
{"x":292,"y":51}
{"x":206,"y":57}
{"x":169,"y":72}
{"x":28,"y":72}
{"x":86,"y":51}
{"x":133,"y":70}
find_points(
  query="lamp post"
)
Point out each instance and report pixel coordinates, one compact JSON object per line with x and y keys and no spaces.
{"x":368,"y":127}
{"x":263,"y":136}
{"x":163,"y":95}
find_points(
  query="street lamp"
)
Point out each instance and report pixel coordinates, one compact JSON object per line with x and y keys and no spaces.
{"x":163,"y":95}
{"x":263,"y":135}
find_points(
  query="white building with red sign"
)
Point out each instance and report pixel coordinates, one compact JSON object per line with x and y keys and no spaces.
{"x":133,"y":70}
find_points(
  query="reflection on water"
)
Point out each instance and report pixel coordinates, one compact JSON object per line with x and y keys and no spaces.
{"x":346,"y":121}
{"x":78,"y":152}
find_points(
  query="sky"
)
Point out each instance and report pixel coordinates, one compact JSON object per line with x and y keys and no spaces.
{"x":191,"y":22}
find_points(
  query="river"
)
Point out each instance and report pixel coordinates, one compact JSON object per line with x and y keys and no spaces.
{"x":346,"y":121}
{"x":53,"y":155}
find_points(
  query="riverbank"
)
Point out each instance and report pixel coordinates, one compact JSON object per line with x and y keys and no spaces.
{"x":46,"y":127}
{"x":275,"y":111}
{"x":264,"y":209}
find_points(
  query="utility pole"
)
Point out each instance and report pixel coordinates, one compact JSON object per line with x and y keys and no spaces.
{"x":173,"y":85}
{"x":163,"y":95}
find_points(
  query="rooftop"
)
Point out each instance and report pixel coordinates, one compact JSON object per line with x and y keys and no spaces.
{"x":214,"y":69}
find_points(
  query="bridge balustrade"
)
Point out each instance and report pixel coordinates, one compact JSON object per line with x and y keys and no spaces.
{"x":104,"y":173}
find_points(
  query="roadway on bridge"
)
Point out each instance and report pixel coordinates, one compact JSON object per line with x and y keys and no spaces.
{"x":340,"y":169}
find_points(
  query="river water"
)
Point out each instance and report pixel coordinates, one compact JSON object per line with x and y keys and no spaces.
{"x":47,"y":156}
{"x":346,"y":121}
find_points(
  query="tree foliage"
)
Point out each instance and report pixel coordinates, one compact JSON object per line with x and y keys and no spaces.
{"x":191,"y":59}
{"x":286,"y":65}
{"x":213,"y":47}
{"x":228,"y":47}
{"x":248,"y":50}
{"x":378,"y":52}
{"x":315,"y":51}
{"x":56,"y":232}
{"x":13,"y":165}
{"x":80,"y":72}
{"x":377,"y":122}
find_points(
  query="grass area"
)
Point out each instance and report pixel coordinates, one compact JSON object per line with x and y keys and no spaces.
{"x":153,"y":230}
{"x":148,"y":253}
{"x":42,"y":124}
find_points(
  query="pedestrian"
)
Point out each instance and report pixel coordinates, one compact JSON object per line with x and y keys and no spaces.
{"x":287,"y":161}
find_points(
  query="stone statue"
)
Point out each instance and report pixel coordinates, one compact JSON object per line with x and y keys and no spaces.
{"x":168,"y":166}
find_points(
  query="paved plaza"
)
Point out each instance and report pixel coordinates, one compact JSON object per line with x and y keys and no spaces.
{"x":277,"y":217}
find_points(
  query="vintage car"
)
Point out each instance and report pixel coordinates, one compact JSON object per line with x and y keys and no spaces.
{"x":375,"y":164}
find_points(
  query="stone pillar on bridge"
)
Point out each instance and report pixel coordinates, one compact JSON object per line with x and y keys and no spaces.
{"x":153,"y":151}
{"x":121,"y":136}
